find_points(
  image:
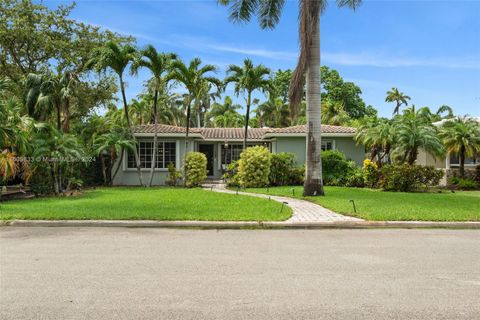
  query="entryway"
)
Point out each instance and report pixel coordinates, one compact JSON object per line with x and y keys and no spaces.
{"x":208,"y":151}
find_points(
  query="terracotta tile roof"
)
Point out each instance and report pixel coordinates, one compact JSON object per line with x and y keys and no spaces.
{"x":303,"y":129}
{"x":232,"y":133}
{"x":237,"y":133}
{"x":163,"y":128}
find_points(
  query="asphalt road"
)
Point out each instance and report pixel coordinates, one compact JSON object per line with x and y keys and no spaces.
{"x":120,"y":273}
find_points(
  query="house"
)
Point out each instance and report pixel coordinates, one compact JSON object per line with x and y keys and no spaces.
{"x":450,"y":163}
{"x":224,"y":145}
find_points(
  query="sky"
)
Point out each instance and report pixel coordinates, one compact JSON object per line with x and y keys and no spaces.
{"x":428,"y":49}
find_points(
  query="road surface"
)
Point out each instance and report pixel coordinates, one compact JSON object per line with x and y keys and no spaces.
{"x":142,"y":273}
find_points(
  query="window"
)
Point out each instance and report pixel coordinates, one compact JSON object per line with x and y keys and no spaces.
{"x":233,"y":151}
{"x":166,"y":153}
{"x":327,"y":145}
{"x":455,"y":160}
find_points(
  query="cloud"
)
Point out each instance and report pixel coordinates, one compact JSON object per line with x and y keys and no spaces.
{"x":387,"y":61}
{"x":271,"y":54}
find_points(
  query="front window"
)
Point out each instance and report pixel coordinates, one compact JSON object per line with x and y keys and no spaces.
{"x":455,"y":160}
{"x":327,"y":145}
{"x":166,"y":154}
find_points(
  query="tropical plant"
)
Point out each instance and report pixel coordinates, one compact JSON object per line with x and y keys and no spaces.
{"x":461,"y":136}
{"x":414,"y":131}
{"x":111,"y":144}
{"x":273,"y":113}
{"x":159,"y":65}
{"x":333,"y":113}
{"x":398,"y":97}
{"x":308,"y":68}
{"x":254,"y":167}
{"x":117,"y":58}
{"x":379,"y":136}
{"x":247,"y":79}
{"x":195,"y":169}
{"x":193,"y":77}
{"x":230,"y":119}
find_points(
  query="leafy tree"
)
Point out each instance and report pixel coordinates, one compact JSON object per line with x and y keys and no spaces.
{"x":461,"y":136}
{"x":159,"y":64}
{"x":280,"y":84}
{"x":219,"y":109}
{"x":229,"y":119}
{"x":247,"y":79}
{"x":398,"y":97}
{"x":333,"y":113}
{"x":273,"y":113}
{"x":308,"y":68}
{"x":117,"y":58}
{"x":379,"y":136}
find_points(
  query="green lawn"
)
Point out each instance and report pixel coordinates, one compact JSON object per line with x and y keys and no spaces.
{"x":148,"y":204}
{"x":384,"y":206}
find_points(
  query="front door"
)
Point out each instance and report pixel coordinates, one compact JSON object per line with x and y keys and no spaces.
{"x":207,"y":150}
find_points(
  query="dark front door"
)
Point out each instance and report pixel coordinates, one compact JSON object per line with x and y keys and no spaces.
{"x":207,"y":149}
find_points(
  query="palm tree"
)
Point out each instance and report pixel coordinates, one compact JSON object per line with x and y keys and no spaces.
{"x":447,"y":110}
{"x":268,"y":13}
{"x":414,"y":131}
{"x":229,"y":119}
{"x":193,"y":77}
{"x":461,"y":136}
{"x":398,"y":97}
{"x":117,"y":58}
{"x":333,"y":113}
{"x":247,"y":79}
{"x":159,"y":64}
{"x":112,"y":143}
{"x":273,"y":113}
{"x":219,"y":109}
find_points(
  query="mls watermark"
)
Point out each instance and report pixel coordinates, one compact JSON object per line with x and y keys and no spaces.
{"x":54,"y":159}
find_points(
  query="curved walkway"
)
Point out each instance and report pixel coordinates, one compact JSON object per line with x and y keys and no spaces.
{"x":303,"y":211}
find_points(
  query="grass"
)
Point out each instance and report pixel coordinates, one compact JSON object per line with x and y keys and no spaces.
{"x":149,"y":204}
{"x":393,"y":206}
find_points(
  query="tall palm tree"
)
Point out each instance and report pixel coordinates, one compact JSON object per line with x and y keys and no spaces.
{"x":379,"y":136}
{"x":219,"y":109}
{"x":461,"y":136}
{"x":247,"y":79}
{"x":193,"y":77}
{"x":159,"y":65}
{"x":274,"y":112}
{"x":229,"y":119}
{"x":398,"y":97}
{"x":117,"y":58}
{"x":268,"y":13}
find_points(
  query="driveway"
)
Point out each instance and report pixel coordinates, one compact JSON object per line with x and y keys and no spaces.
{"x":142,"y":273}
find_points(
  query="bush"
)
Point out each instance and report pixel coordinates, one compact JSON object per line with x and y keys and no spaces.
{"x":463,"y":184}
{"x":356,"y":178}
{"x":335,"y":167}
{"x":283,"y":170}
{"x":477,"y":174}
{"x":371,"y":174}
{"x":195,"y":169}
{"x":173,"y":175}
{"x":231,"y":175}
{"x":254,"y":167}
{"x":41,"y":181}
{"x":408,"y":178}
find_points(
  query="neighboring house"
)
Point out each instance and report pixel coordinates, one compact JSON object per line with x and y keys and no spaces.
{"x":224,"y":145}
{"x":448,"y":162}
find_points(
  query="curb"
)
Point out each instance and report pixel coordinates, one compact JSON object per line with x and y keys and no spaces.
{"x":244,"y":224}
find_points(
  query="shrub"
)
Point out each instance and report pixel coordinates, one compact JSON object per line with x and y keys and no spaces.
{"x":195,"y":169}
{"x":371,"y":173}
{"x":41,"y":181}
{"x":408,"y":178}
{"x":283,"y":170}
{"x":466,"y":184}
{"x":254,"y":167}
{"x":355,"y":177}
{"x":335,"y":167}
{"x":173,"y":175}
{"x":231,"y":175}
{"x":477,"y":174}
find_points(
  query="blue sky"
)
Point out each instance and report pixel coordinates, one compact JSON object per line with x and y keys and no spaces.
{"x":428,"y":49}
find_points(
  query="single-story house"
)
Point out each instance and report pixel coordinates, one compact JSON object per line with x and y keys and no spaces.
{"x":224,"y":145}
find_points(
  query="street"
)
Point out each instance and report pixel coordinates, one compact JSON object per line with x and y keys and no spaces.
{"x":147,"y":273}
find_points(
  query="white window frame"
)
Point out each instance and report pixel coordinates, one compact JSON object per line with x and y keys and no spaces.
{"x":177,"y":157}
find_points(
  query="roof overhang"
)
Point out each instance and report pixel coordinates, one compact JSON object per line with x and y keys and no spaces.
{"x":290,"y":135}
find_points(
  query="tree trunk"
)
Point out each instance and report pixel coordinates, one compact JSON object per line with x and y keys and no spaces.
{"x":247,"y":119}
{"x":186,"y":139}
{"x":104,"y":169}
{"x":66,"y":111}
{"x":313,"y":185}
{"x":119,"y":165}
{"x":155,"y":135}
{"x":127,"y":116}
{"x":59,"y":115}
{"x":462,"y":162}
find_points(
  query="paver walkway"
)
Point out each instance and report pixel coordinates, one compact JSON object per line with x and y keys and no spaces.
{"x":303,"y":211}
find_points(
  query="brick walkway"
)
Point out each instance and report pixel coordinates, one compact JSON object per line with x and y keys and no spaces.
{"x":303,"y":211}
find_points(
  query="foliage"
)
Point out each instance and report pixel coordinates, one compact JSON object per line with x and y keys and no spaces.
{"x":231,"y":175}
{"x":174,"y":175}
{"x":370,"y":173}
{"x":284,"y":171}
{"x":195,"y":169}
{"x":408,"y":178}
{"x":461,"y":136}
{"x":335,"y":167}
{"x":254,"y":167}
{"x":464,"y":184}
{"x":398,"y":97}
{"x":41,"y":182}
